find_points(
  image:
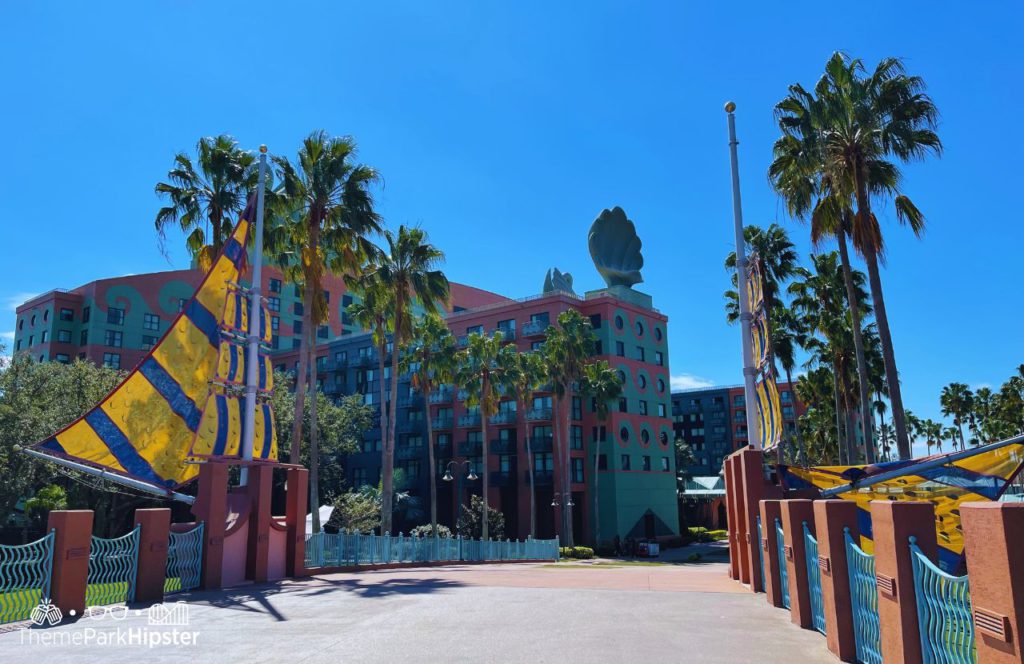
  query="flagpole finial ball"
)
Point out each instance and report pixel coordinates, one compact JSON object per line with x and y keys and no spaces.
{"x":263,"y":149}
{"x":730,"y":106}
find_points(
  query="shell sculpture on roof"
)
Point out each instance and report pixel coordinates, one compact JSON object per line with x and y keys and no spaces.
{"x":615,"y":248}
{"x":556,"y":280}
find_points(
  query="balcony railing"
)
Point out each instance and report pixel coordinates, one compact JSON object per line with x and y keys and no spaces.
{"x":541,"y":443}
{"x":538,"y":414}
{"x":443,"y":395}
{"x":504,"y":417}
{"x":506,"y":334}
{"x":540,"y":477}
{"x":441,"y":423}
{"x":470,"y":447}
{"x":502,"y":446}
{"x":405,"y":453}
{"x":502,"y":477}
{"x":535,"y":328}
{"x":367,"y":360}
{"x":470,"y":420}
{"x":410,"y":401}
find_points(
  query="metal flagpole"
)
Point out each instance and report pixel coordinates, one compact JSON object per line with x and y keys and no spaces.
{"x":252,"y":359}
{"x":753,"y":427}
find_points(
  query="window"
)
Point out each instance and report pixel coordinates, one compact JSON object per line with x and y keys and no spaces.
{"x":45,"y":337}
{"x":115,"y":316}
{"x":541,"y":317}
{"x":739,"y":400}
{"x":64,"y":336}
{"x":341,"y":358}
{"x":536,"y":345}
{"x":602,"y":462}
{"x":21,"y":324}
{"x":151,"y":322}
{"x":576,"y":437}
{"x":299,"y":309}
{"x":31,"y":340}
{"x":17,"y":345}
{"x":85,"y":314}
{"x":595,"y":321}
{"x":275,"y":286}
{"x":321,"y":363}
{"x":741,"y":431}
{"x":740,"y":416}
{"x":787,"y":412}
{"x":624,"y":461}
{"x":643,"y":407}
{"x":83,"y":338}
{"x":664,"y":464}
{"x":346,"y":300}
{"x":640,"y":353}
{"x":646,"y":460}
{"x":639,"y":328}
{"x":543,"y":462}
{"x":619,"y":323}
{"x":275,"y":324}
{"x":359,"y":477}
{"x":322,"y":332}
{"x":67,"y":315}
{"x":113,"y":338}
{"x":577,"y":408}
{"x":577,"y":471}
{"x":624,"y":434}
{"x":148,"y":342}
{"x":112,"y":360}
{"x":296,"y":343}
{"x":662,"y":410}
{"x":659,"y":358}
{"x":475,"y":329}
{"x":642,"y":381}
{"x":297,"y":327}
{"x":81,"y":356}
{"x":274,"y":304}
{"x":657,"y":333}
{"x":661,"y":386}
{"x":599,"y":433}
{"x":785,"y":396}
{"x":63,"y":358}
{"x":33,"y":321}
{"x":623,"y":405}
{"x":297,"y":291}
{"x":508,"y":325}
{"x":620,"y":349}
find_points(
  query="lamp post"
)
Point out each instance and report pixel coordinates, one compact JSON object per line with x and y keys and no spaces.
{"x":560,"y":499}
{"x":447,"y":477}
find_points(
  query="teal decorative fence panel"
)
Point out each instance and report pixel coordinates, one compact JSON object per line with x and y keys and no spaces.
{"x":184,"y":560}
{"x":943,"y":612}
{"x":112,"y":566}
{"x":780,"y":545}
{"x":864,"y":599}
{"x":24,"y":578}
{"x":350,"y":549}
{"x":814,"y":580}
{"x":760,"y":551}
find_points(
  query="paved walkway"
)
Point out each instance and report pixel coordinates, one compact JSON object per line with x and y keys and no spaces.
{"x":474,"y":613}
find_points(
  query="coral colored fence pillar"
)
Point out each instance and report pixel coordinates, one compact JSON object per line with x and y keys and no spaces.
{"x":755,"y":489}
{"x":211,"y":507}
{"x":771,"y":510}
{"x":154,"y":533}
{"x":731,"y":500}
{"x":892,"y":524}
{"x":994,"y":542}
{"x":258,"y":489}
{"x":830,"y":517}
{"x":296,"y":500}
{"x":794,"y":513}
{"x":70,"y":573}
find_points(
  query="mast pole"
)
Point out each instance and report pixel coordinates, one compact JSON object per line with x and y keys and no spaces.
{"x":753,"y":425}
{"x":253,"y":339}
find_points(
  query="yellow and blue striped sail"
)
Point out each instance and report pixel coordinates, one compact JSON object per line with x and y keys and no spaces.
{"x":755,"y":289}
{"x":759,"y":337}
{"x":981,"y":477}
{"x":231,"y":367}
{"x":223,"y":427}
{"x":145,"y":427}
{"x":769,"y":411}
{"x":236,"y":315}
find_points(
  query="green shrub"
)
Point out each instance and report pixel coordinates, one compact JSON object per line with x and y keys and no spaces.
{"x":425,"y":531}
{"x":576,"y":552}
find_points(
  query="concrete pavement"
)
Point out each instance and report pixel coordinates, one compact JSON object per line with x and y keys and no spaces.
{"x":487,"y":613}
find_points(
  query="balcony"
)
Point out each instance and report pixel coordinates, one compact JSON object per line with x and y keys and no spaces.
{"x":406,"y":453}
{"x":443,"y":395}
{"x":535,"y":328}
{"x":541,"y":443}
{"x":409,"y":427}
{"x":441,"y":423}
{"x":367,"y":360}
{"x":506,"y":334}
{"x":502,"y":477}
{"x":540,"y":477}
{"x":538,"y":414}
{"x":410,"y":401}
{"x":502,"y":446}
{"x":504,"y":417}
{"x":470,"y":448}
{"x":469,"y":420}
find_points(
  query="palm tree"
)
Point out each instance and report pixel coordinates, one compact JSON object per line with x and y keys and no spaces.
{"x":873,"y":118}
{"x":480,"y":373}
{"x":210,"y":192}
{"x":604,"y":385}
{"x":981,"y":413}
{"x":957,"y":401}
{"x":914,"y":426}
{"x":798,"y":173}
{"x":787,"y":334}
{"x":523,"y":374}
{"x":408,"y":270}
{"x":430,"y":360}
{"x":566,"y":349}
{"x":326,"y":210}
{"x":776,"y":259}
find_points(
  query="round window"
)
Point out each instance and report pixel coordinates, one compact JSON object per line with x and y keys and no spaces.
{"x":639,"y":328}
{"x":645,"y":436}
{"x":661,"y":385}
{"x":657,"y":333}
{"x":642,"y":380}
{"x":46,"y":315}
{"x":624,"y":434}
{"x":33,"y":320}
{"x":664,"y":438}
{"x":619,"y":323}
{"x":21,"y":324}
{"x":622,"y":376}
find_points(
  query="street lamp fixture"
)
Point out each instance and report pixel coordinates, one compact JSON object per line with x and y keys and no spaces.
{"x":568,"y":500}
{"x":448,"y":477}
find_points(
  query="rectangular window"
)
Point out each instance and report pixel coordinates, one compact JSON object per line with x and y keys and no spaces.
{"x":299,"y":309}
{"x":64,"y":336}
{"x":624,"y":461}
{"x":151,"y":322}
{"x":296,"y":343}
{"x":598,"y":347}
{"x":602,"y":462}
{"x":475,"y":329}
{"x":640,"y":353}
{"x":274,"y":286}
{"x":148,"y":342}
{"x":577,"y":408}
{"x":115,"y":316}
{"x":507,"y":325}
{"x":298,"y":291}
{"x":63,"y":358}
{"x":274,"y":304}
{"x":623,"y":405}
{"x":341,"y":358}
{"x":297,"y":327}
{"x":576,"y":437}
{"x":659,"y":358}
{"x":275,"y":324}
{"x":112,"y":360}
{"x":113,"y":338}
{"x":321,"y":363}
{"x":536,"y":345}
{"x":661,"y":410}
{"x":67,"y":315}
{"x":643,"y":407}
{"x":359,"y":477}
{"x":664,"y":464}
{"x":83,"y":338}
{"x":647,"y":462}
{"x":45,"y":337}
{"x":595,"y":321}
{"x":346,"y":300}
{"x":543,"y":461}
{"x":620,"y":349}
{"x":541,"y":317}
{"x":577,"y":471}
{"x":322,"y":332}
{"x":739,"y":400}
{"x":85,"y":314}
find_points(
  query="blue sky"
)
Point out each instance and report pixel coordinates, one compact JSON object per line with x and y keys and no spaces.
{"x":505,"y":128}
